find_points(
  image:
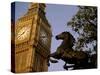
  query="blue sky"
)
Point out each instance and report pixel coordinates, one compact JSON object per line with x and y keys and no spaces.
{"x":58,"y":16}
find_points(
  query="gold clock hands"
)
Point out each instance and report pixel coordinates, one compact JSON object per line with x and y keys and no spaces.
{"x":21,"y":34}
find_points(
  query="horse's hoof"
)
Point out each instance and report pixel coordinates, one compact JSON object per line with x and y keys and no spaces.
{"x":65,"y":67}
{"x":54,"y":61}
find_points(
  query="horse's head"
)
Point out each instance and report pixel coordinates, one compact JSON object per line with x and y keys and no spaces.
{"x":66,"y":36}
{"x":62,"y":35}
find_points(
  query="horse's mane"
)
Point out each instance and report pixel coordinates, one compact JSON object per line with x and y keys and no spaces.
{"x":71,"y":38}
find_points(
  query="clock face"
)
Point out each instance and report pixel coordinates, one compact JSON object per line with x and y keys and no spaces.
{"x":23,"y":33}
{"x":43,"y":36}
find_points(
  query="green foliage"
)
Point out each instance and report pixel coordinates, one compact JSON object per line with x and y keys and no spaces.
{"x":85,"y":24}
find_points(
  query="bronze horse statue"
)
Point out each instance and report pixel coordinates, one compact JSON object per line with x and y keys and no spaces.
{"x":67,"y":43}
{"x":66,"y":53}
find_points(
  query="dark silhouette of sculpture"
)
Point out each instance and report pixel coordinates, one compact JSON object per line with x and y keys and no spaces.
{"x":67,"y":43}
{"x":68,"y":55}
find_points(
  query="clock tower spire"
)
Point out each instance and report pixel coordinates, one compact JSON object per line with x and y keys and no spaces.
{"x":37,"y":7}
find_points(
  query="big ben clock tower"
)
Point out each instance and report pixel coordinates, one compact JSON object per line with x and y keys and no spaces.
{"x":32,"y":40}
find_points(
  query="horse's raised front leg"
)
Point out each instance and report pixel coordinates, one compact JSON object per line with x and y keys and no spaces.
{"x":55,"y":55}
